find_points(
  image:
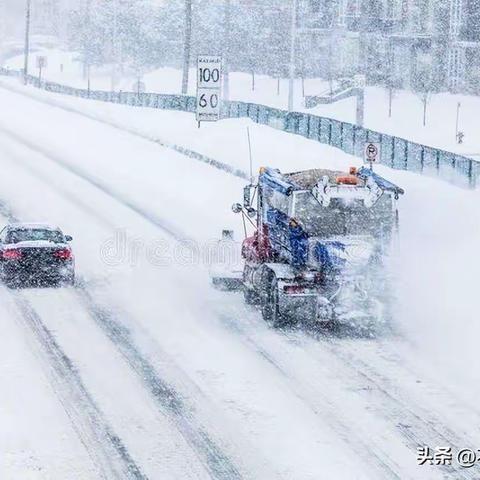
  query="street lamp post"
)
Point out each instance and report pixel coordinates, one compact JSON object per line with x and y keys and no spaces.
{"x":458,"y":134}
{"x":293,"y":34}
{"x":187,"y":45}
{"x":114,"y":46}
{"x":226,"y":51}
{"x":27,"y":40}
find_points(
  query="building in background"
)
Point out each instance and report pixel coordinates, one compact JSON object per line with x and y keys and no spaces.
{"x":464,"y":54}
{"x":45,"y":17}
{"x":416,"y":44}
{"x":422,"y":44}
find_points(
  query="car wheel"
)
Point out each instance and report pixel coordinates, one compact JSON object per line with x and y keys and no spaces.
{"x":68,"y":280}
{"x":11,"y":283}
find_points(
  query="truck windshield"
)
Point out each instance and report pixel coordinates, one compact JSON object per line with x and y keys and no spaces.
{"x":343,"y":217}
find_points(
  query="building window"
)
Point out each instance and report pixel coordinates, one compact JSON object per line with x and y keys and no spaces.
{"x":390,"y":13}
{"x":455,"y":17}
{"x":353,"y":8}
{"x":315,"y":6}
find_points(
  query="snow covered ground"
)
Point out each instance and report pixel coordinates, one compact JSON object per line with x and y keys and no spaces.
{"x":407,"y":111}
{"x":172,"y":379}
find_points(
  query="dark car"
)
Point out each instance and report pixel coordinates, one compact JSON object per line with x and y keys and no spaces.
{"x":35,"y":255}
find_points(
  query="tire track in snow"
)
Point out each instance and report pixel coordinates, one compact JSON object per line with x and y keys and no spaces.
{"x":414,"y":428}
{"x":105,"y":448}
{"x":225,"y":167}
{"x":78,"y":172}
{"x":167,"y":399}
{"x":107,"y":451}
{"x":385,"y":467}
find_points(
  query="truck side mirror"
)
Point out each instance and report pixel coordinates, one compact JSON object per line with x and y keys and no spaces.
{"x":247,"y":195}
{"x":236,"y":208}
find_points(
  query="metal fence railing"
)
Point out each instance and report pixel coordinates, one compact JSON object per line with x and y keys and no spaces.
{"x":397,"y":153}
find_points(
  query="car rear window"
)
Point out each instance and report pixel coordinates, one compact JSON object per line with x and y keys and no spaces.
{"x":32,"y":235}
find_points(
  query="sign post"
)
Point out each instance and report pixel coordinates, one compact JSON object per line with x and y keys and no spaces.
{"x":41,"y":64}
{"x":209,"y":88}
{"x":372,"y":153}
{"x":359,"y":83}
{"x":139,"y":87}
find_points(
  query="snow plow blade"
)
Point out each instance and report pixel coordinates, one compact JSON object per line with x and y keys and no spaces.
{"x":230,"y":282}
{"x":226,"y":272}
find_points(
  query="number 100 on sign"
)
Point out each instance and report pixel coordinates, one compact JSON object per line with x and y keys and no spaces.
{"x":209,"y":73}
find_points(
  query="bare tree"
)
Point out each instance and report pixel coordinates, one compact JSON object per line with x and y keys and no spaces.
{"x":391,"y":81}
{"x":425,"y":97}
{"x":423,"y":86}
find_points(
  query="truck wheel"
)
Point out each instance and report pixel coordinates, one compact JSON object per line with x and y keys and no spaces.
{"x":251,"y":297}
{"x":270,"y":309}
{"x":11,"y":283}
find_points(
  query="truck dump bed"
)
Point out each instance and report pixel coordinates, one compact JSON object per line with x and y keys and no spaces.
{"x":307,"y":179}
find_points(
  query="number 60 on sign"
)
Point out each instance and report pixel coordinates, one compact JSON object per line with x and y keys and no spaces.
{"x":208,"y":105}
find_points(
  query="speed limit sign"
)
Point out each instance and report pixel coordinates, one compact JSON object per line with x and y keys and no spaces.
{"x":209,"y":88}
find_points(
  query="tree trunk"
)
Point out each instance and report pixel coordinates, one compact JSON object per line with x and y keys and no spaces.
{"x":390,"y":101}
{"x":424,"y":112}
{"x":86,"y":47}
{"x":114,"y":46}
{"x":360,"y":107}
{"x":27,"y":40}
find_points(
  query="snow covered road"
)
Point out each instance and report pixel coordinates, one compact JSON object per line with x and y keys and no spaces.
{"x":176,"y":380}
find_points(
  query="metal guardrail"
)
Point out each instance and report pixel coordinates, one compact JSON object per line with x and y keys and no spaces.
{"x":397,"y":153}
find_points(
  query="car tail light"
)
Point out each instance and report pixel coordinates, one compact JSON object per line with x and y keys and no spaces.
{"x":64,"y":254}
{"x":11,"y":254}
{"x":293,"y":289}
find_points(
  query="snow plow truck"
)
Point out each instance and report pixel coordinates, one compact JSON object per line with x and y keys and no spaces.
{"x":318,"y":250}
